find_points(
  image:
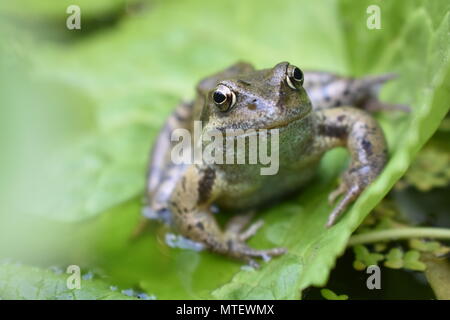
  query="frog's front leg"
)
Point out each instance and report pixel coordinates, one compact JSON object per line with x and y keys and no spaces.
{"x":190,"y":205}
{"x":360,"y":134}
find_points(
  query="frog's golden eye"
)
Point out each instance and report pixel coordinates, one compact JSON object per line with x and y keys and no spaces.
{"x":224,"y":98}
{"x":294,"y":77}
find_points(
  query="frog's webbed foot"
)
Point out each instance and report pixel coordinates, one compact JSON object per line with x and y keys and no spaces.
{"x":237,"y":248}
{"x":236,"y":237}
{"x":350,"y":194}
{"x":353,"y":183}
{"x":231,"y":242}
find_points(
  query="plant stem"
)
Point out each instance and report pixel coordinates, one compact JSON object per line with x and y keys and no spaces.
{"x":401,"y":233}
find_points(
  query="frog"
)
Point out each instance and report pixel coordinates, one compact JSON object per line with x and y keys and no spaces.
{"x":313,"y":111}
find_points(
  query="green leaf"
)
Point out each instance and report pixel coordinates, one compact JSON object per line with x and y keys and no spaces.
{"x":56,"y":11}
{"x":412,"y":262}
{"x":133,"y":76}
{"x":330,"y":295}
{"x":394,"y":259}
{"x":365,"y":258}
{"x":19,"y":282}
{"x":425,"y":246}
{"x":437,"y":273}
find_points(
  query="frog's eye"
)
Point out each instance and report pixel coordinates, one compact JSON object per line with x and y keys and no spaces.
{"x":224,"y":98}
{"x":294,"y":77}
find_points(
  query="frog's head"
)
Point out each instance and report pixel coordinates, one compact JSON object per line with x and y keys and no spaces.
{"x":262,"y":99}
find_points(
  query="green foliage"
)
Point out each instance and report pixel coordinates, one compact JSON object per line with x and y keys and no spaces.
{"x":431,"y":169}
{"x":330,"y":295}
{"x":437,"y":273}
{"x":32,"y":283}
{"x":394,"y":259}
{"x":127,"y":80}
{"x":412,"y":262}
{"x":55,"y":11}
{"x":434,"y":247}
{"x":365,"y":258}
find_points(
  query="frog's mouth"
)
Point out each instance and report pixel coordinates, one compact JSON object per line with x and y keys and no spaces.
{"x":280,"y":125}
{"x":246,"y":130}
{"x":287,"y":122}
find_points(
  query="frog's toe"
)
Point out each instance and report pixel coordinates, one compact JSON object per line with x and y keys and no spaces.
{"x":274,"y":252}
{"x":266,"y":255}
{"x":263,"y":254}
{"x":336,"y":193}
{"x":251,"y":230}
{"x":350,"y":195}
{"x":238,"y":222}
{"x":240,"y":250}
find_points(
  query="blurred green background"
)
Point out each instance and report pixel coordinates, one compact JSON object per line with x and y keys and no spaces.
{"x":80,"y":109}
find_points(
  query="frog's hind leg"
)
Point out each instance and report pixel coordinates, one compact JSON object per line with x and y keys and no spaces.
{"x":327,"y":91}
{"x":162,"y":174}
{"x":160,"y":154}
{"x":190,"y":204}
{"x":369,"y":87}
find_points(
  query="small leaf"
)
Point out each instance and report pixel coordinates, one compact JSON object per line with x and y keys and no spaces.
{"x":412,"y":262}
{"x":330,"y":295}
{"x":365,"y":258}
{"x":425,"y":246}
{"x":380,"y":246}
{"x":394,"y":259}
{"x":431,"y":169}
{"x":358,"y":265}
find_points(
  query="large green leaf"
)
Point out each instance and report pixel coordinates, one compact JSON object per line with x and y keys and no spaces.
{"x":31,"y":283}
{"x":131,"y":77}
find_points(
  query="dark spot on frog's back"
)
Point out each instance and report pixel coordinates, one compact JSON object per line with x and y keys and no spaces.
{"x":200,"y":226}
{"x":367,"y":146}
{"x":251,"y":106}
{"x":331,"y":131}
{"x":205,"y":184}
{"x":176,"y":207}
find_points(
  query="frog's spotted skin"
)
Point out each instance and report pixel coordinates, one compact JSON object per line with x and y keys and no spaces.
{"x":327,"y":90}
{"x":162,"y":174}
{"x":326,"y":112}
{"x":359,"y":133}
